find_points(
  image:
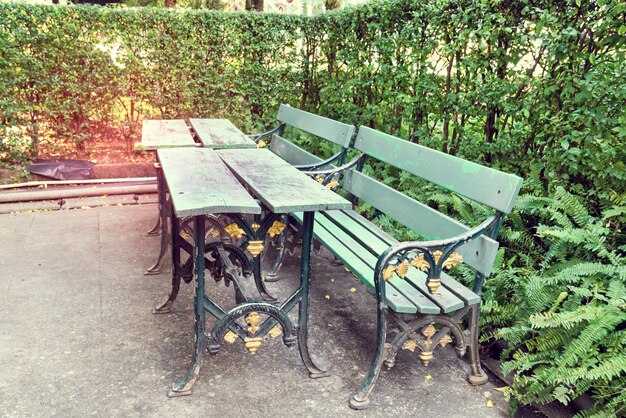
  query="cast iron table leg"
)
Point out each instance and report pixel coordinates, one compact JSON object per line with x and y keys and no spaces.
{"x":303,"y":316}
{"x":183,"y":387}
{"x":166,"y":307}
{"x":156,"y":267}
{"x":157,"y":227}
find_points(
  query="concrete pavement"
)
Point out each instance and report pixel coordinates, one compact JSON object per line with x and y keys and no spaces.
{"x":78,"y":337}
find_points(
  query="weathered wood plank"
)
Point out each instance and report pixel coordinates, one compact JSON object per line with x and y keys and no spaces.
{"x":200,"y":183}
{"x":360,"y":265}
{"x":172,"y":133}
{"x":220,"y":133}
{"x":479,"y":253}
{"x":491,"y":187}
{"x":279,"y":185}
{"x":292,"y":153}
{"x":361,"y":243}
{"x":338,"y":132}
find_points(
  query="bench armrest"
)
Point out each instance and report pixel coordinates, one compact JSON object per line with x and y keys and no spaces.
{"x":429,"y":256}
{"x":317,"y":166}
{"x":258,"y":137}
{"x":328,"y":175}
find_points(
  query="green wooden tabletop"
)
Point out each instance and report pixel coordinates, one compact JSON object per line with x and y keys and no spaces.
{"x":279,"y":185}
{"x":220,"y":133}
{"x":200,"y":183}
{"x":171,"y":133}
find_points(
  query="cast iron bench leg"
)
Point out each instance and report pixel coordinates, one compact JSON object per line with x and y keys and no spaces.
{"x":271,"y":275}
{"x":477,"y":376}
{"x":166,"y":306}
{"x":360,"y":399}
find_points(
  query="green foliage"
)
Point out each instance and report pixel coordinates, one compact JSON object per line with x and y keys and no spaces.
{"x":567,"y":334}
{"x":64,"y":68}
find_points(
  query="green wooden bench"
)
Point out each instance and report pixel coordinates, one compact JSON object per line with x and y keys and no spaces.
{"x":292,"y":124}
{"x":428,"y":306}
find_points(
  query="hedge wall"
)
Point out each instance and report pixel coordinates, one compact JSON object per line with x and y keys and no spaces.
{"x":65,"y":69}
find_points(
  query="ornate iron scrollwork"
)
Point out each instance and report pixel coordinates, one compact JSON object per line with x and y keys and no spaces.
{"x":421,"y":262}
{"x":234,"y":231}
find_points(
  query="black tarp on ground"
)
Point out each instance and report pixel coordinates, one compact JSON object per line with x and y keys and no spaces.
{"x":62,"y":169}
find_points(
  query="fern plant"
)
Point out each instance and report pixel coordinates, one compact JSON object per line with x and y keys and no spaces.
{"x":569,"y":332}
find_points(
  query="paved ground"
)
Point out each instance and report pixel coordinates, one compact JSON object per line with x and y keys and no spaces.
{"x":78,"y":337}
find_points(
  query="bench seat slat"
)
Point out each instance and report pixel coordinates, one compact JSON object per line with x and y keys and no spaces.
{"x":413,"y":286}
{"x":379,"y":240}
{"x":363,"y":270}
{"x":479,"y":253}
{"x":446,"y":300}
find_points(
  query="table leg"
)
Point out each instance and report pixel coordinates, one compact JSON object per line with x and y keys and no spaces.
{"x":184,"y":386}
{"x":305,"y":282}
{"x":156,"y":267}
{"x":166,"y":306}
{"x":272,"y":274}
{"x":157,"y":227}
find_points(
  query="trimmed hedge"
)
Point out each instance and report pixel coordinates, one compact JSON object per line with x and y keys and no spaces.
{"x":64,"y":68}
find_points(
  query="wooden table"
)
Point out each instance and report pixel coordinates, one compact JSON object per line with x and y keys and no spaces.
{"x":199,"y":186}
{"x":173,"y":133}
{"x":155,"y":135}
{"x":220,"y":134}
{"x":163,"y":134}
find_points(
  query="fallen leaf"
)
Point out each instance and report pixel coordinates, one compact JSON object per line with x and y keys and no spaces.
{"x":327,"y":296}
{"x":428,"y":377}
{"x":85,"y":207}
{"x":353,"y":289}
{"x":487,"y":394}
{"x":489,"y":404}
{"x":503,"y":389}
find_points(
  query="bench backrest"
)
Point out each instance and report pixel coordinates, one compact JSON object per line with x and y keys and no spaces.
{"x":490,"y":187}
{"x":331,"y":130}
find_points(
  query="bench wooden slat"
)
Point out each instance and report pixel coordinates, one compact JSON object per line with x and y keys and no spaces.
{"x":194,"y":187}
{"x":349,"y":249}
{"x":361,"y":266}
{"x":338,"y":132}
{"x":485,"y":185}
{"x":287,"y":189}
{"x":479,"y":253}
{"x":170,"y":133}
{"x":358,"y":229}
{"x":292,"y":153}
{"x":379,"y":241}
{"x":220,"y":133}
